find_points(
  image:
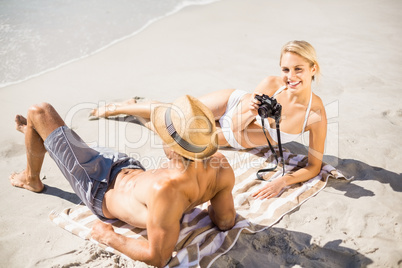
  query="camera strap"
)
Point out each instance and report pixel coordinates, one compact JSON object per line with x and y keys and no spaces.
{"x":278,"y":134}
{"x":272,"y":150}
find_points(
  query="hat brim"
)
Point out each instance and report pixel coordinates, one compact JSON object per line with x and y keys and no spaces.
{"x":158,"y":121}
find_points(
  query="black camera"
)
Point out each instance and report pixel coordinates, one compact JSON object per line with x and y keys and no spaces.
{"x":269,"y":107}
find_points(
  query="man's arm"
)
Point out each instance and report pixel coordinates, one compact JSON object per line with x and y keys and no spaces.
{"x":165,"y":209}
{"x":222,"y":211}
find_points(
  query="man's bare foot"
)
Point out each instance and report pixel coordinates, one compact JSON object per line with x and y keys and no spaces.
{"x":20,"y":123}
{"x":106,"y":111}
{"x":21,"y":180}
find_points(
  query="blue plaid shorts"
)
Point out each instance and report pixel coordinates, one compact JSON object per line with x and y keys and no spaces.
{"x":89,"y":171}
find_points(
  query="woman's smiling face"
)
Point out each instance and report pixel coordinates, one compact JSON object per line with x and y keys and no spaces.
{"x":296,"y":72}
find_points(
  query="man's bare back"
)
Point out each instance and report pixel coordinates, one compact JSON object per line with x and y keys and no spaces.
{"x":157,"y":199}
{"x":193,"y":182}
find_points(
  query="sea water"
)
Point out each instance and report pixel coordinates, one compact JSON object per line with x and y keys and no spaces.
{"x":37,"y":36}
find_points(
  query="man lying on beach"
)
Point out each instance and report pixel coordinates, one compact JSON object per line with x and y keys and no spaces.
{"x":114,"y":185}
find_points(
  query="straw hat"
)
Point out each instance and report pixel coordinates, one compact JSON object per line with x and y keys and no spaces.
{"x":187,"y":126}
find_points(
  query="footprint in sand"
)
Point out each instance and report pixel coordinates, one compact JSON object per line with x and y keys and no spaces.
{"x":393,"y":116}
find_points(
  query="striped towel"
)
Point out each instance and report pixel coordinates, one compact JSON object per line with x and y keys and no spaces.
{"x":200,"y":243}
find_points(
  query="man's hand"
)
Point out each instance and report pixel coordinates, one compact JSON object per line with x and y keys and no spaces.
{"x":101,"y":231}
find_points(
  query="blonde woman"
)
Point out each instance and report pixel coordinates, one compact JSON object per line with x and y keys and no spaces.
{"x":238,"y":121}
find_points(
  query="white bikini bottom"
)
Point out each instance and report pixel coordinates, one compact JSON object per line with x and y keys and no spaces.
{"x":226,"y":120}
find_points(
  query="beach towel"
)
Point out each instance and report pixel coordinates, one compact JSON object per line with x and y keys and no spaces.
{"x":200,"y":243}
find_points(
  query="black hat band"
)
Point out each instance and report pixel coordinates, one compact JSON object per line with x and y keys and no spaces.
{"x":173,"y":133}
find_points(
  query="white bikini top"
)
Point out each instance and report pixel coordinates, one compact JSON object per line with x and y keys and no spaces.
{"x":285,"y":137}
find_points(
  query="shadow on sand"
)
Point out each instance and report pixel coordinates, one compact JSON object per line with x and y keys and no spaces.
{"x":278,"y":247}
{"x":358,"y":170}
{"x":53,"y":191}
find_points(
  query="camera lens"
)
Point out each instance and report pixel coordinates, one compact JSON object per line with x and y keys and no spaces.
{"x":263,"y":111}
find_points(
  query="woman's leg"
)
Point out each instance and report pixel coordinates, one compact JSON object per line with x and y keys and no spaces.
{"x":253,"y":136}
{"x":142,"y":110}
{"x":128,"y":107}
{"x":217,"y":101}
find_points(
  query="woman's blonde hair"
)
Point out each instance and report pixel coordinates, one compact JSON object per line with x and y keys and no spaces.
{"x":304,"y":50}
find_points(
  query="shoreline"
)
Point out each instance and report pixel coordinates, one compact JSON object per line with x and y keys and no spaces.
{"x":110,"y":44}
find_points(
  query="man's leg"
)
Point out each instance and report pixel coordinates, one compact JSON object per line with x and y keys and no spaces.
{"x":41,"y":120}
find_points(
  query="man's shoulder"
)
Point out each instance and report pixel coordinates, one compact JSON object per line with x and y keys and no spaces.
{"x":170,"y":186}
{"x":218,"y":160}
{"x":171,"y":180}
{"x":224,"y":172}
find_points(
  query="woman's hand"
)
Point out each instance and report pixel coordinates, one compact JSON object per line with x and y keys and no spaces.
{"x":271,"y":189}
{"x":254,"y":103}
{"x":101,"y":231}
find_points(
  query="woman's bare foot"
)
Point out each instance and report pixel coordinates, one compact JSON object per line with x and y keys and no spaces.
{"x":21,"y":180}
{"x":106,"y":111}
{"x":21,"y":123}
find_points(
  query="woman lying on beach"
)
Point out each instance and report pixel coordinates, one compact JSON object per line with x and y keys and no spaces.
{"x":236,"y":113}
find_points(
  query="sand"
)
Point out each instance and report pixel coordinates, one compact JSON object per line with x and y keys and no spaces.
{"x":233,"y":44}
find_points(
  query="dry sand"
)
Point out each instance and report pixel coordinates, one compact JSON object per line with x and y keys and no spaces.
{"x":233,"y":44}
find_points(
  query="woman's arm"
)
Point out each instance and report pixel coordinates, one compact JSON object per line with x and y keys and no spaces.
{"x":318,"y":132}
{"x":248,"y":109}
